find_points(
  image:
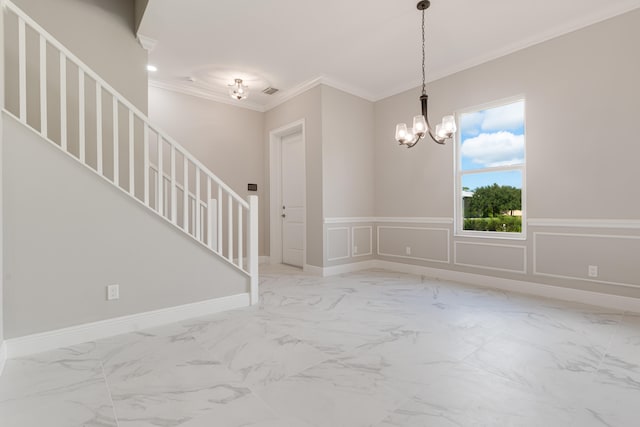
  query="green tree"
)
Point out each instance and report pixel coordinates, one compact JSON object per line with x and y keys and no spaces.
{"x":494,"y":200}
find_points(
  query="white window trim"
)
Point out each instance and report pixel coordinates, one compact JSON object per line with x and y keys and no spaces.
{"x":457,"y":205}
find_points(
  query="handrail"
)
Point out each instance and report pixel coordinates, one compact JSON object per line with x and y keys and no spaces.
{"x":199,"y":222}
{"x":142,"y":116}
{"x":200,"y":166}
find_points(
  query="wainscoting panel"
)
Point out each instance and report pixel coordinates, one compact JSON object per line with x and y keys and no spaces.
{"x":362,"y":238}
{"x":568,"y":255}
{"x":418,"y":243}
{"x":491,"y":256}
{"x":338,"y":243}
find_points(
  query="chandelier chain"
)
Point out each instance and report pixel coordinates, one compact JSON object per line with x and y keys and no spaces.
{"x":424,"y":85}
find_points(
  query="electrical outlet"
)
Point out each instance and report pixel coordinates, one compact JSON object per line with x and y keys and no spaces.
{"x":593,"y":271}
{"x":407,"y":250}
{"x":113,"y":292}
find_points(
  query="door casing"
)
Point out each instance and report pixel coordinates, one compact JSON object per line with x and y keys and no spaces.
{"x":275,"y":190}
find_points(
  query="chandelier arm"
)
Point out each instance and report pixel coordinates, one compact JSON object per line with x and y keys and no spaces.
{"x":424,"y":99}
{"x":436,"y":139}
{"x":413,"y":142}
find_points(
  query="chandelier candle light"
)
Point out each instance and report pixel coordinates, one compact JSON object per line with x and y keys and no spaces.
{"x":238,"y":90}
{"x":421,"y":126}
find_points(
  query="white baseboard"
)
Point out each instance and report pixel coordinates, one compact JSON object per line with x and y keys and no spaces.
{"x":312,"y":269}
{"x":36,"y":343}
{"x":3,"y":355}
{"x":531,"y":288}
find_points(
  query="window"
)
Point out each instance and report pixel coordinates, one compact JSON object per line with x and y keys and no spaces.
{"x":490,"y":162}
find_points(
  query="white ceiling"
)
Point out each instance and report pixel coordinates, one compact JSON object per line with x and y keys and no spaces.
{"x":370,"y":48}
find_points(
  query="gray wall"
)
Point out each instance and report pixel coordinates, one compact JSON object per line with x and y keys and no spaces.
{"x":233,"y":143}
{"x":348,"y":175}
{"x":582,"y":102}
{"x":69,"y":234}
{"x":100,"y":33}
{"x":347,"y":154}
{"x":140,"y":6}
{"x":572,"y":99}
{"x":226,"y":139}
{"x":339,"y":162}
{"x":307,"y":106}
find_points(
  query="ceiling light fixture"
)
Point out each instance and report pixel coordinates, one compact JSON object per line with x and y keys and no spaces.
{"x":421,"y":126}
{"x":238,"y":90}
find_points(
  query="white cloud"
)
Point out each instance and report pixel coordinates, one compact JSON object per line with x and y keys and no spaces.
{"x":508,"y":117}
{"x":471,"y":123}
{"x":494,"y":149}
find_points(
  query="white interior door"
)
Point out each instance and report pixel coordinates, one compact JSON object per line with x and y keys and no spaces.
{"x":293,"y":199}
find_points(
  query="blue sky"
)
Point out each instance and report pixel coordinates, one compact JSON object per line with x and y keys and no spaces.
{"x":493,"y":137}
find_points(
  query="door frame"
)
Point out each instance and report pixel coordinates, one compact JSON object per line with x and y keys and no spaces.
{"x":275,"y":190}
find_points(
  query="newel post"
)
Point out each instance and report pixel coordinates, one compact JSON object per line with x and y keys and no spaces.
{"x":253,"y":248}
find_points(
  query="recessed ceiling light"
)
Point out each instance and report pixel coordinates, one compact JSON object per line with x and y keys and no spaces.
{"x":152,"y":68}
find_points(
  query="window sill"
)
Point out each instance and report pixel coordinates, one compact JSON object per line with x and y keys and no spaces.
{"x":490,"y":235}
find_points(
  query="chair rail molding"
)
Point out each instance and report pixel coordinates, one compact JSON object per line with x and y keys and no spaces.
{"x":385,"y":219}
{"x":585,"y":223}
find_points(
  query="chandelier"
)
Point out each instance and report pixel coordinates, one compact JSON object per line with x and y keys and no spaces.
{"x":421,"y":126}
{"x":238,"y":90}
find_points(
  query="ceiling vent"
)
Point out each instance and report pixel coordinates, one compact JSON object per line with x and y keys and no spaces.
{"x":270,"y":90}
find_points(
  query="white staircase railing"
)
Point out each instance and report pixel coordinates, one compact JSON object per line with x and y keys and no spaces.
{"x":62,"y":99}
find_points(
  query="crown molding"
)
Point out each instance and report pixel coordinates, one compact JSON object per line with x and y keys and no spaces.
{"x":566,"y":28}
{"x":187,"y":90}
{"x":289,"y":94}
{"x":345,"y":87}
{"x":147,"y":43}
{"x":321,"y":80}
{"x":286,"y":95}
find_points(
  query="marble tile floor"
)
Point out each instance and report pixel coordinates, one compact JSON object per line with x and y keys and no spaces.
{"x":373,"y":348}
